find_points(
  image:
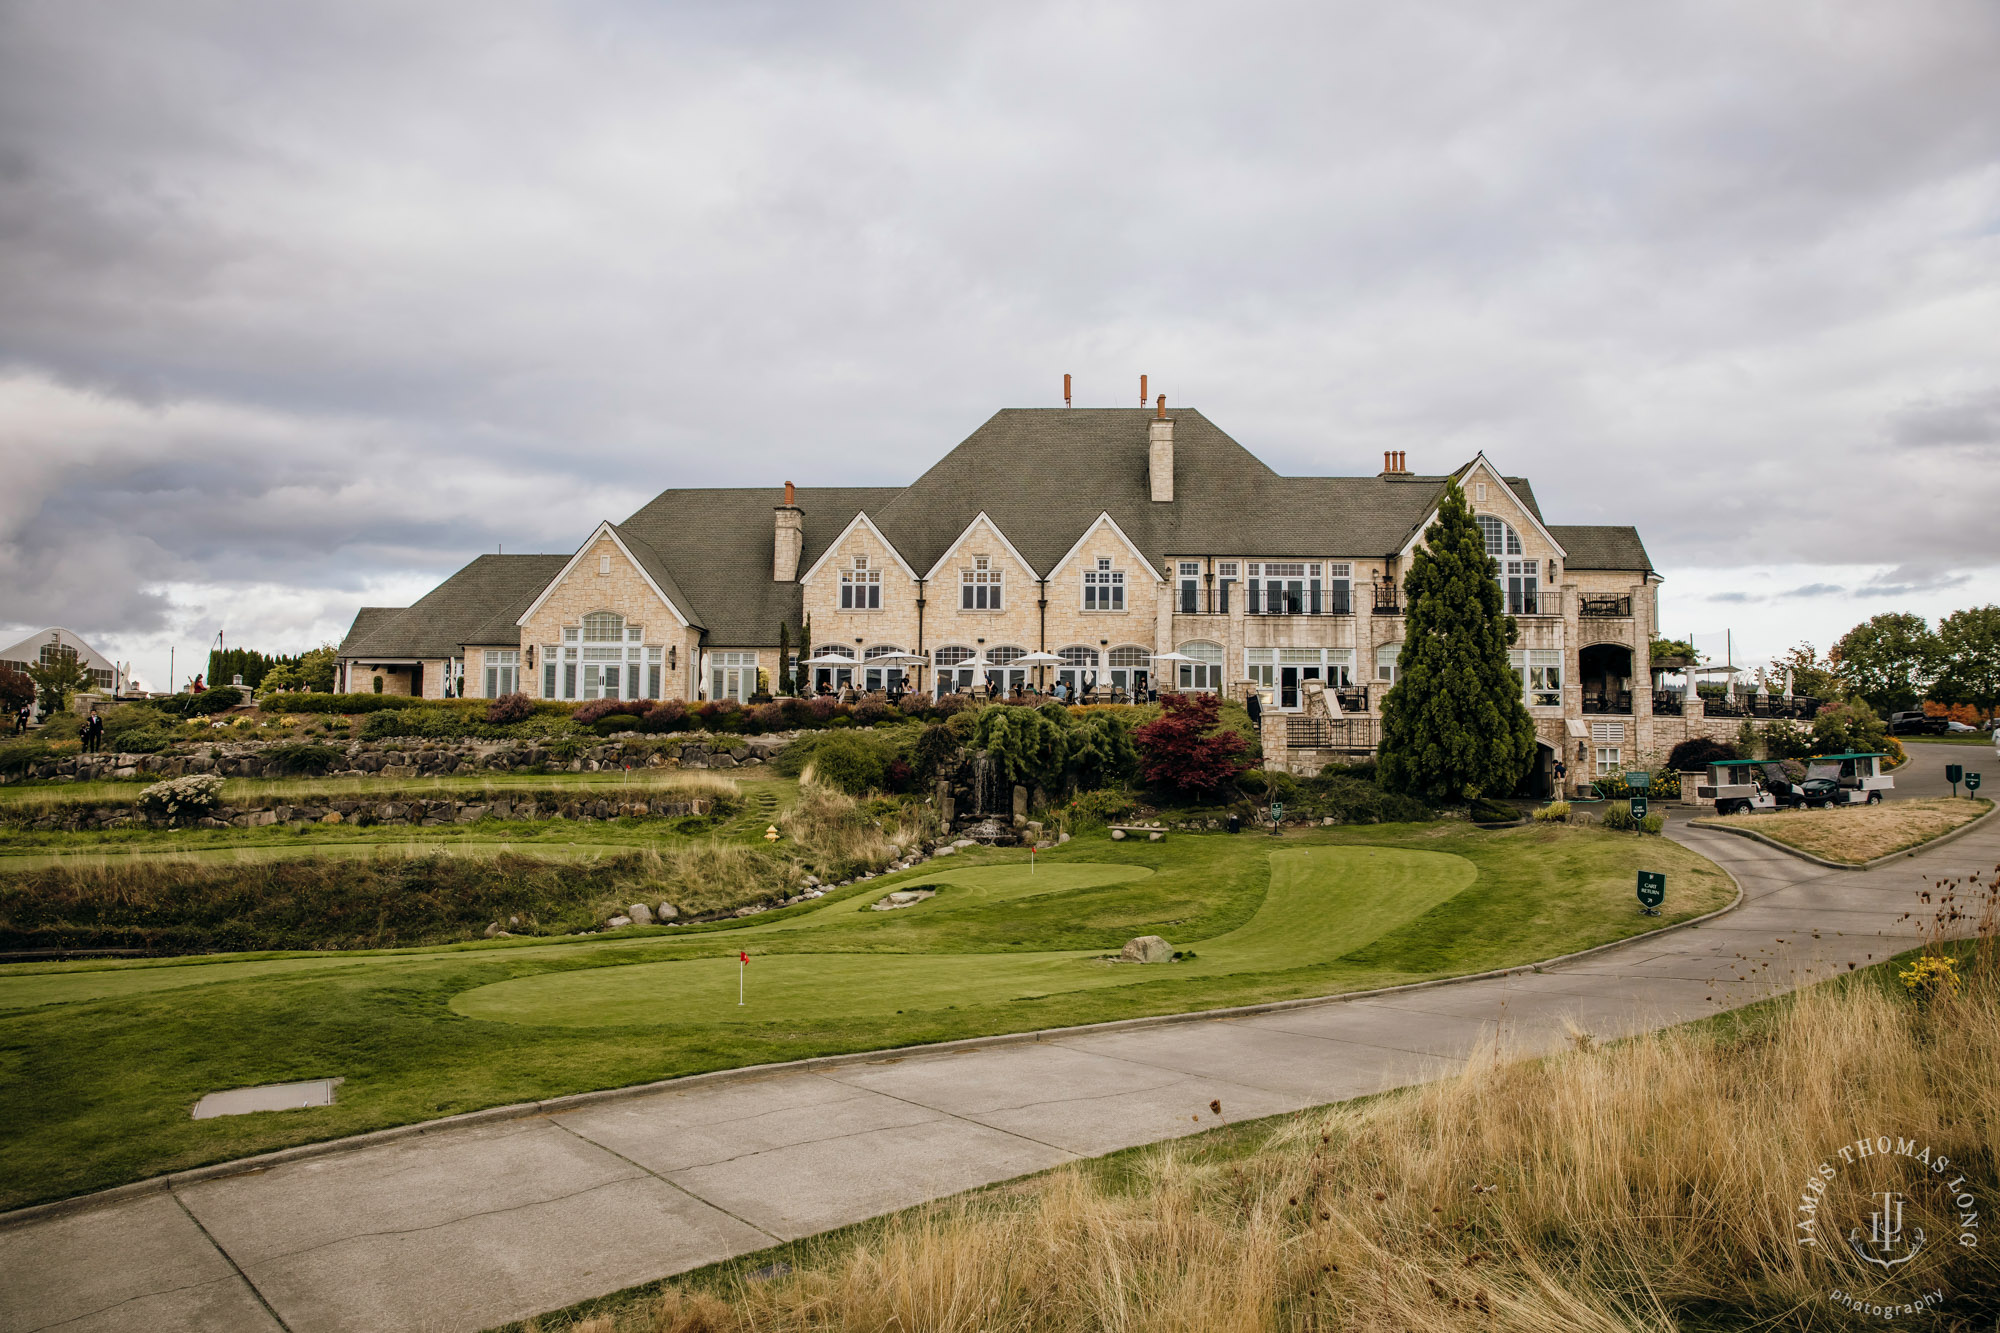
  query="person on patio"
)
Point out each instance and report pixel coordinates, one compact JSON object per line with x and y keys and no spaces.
{"x":1255,"y":707}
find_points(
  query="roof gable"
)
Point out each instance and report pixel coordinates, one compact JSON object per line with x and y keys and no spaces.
{"x":606,"y":529}
{"x":454,"y":613}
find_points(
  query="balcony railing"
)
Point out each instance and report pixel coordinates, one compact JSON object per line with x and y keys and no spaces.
{"x":1617,"y":702}
{"x":1605,"y":608}
{"x":1388,"y":599}
{"x":1667,"y":703}
{"x":1354,"y":734}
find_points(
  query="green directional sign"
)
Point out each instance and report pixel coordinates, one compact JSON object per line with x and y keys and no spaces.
{"x":1972,"y":782}
{"x":1639,"y":807}
{"x":1652,"y":891}
{"x":1953,"y":773}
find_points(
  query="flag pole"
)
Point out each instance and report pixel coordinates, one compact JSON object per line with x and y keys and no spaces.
{"x":739,"y":980}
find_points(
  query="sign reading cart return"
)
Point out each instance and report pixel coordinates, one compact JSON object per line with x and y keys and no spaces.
{"x":1652,"y":891}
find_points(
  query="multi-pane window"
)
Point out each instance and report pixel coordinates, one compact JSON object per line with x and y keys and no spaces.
{"x":551,"y":660}
{"x":879,"y":675}
{"x":953,"y":669}
{"x":1001,"y":671}
{"x":1104,"y":588}
{"x":1225,"y":575}
{"x":1339,"y":589}
{"x":604,"y":657}
{"x":1522,"y":581}
{"x":1501,"y":539}
{"x":861,"y":587}
{"x":1205,"y":672}
{"x":503,"y":668}
{"x":979,"y":587}
{"x":1385,"y":662}
{"x":1190,"y":575}
{"x":1545,"y":681}
{"x":1130,"y":665}
{"x":1607,"y":738}
{"x":603,"y":627}
{"x":1079,"y":668}
{"x":1610,"y":760}
{"x":732,"y":676}
{"x":652,"y":673}
{"x":1285,"y":588}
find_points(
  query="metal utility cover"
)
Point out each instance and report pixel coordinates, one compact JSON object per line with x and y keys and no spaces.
{"x":270,"y":1097}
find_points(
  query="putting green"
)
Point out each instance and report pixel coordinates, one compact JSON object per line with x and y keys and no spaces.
{"x":1322,"y":903}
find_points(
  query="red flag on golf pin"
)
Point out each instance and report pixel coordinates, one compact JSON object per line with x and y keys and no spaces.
{"x":742,"y":961}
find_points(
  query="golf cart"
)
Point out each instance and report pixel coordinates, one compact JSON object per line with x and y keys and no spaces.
{"x":1738,"y":786}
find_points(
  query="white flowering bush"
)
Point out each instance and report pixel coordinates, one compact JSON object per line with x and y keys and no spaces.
{"x":182,"y":798}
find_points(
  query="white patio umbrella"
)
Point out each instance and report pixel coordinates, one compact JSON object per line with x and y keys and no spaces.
{"x":1038,"y":659}
{"x":829,"y":659}
{"x":1172,"y":657}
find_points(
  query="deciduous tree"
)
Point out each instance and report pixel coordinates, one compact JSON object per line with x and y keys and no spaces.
{"x":1187,"y":748}
{"x":1969,"y":659}
{"x":1453,"y":725}
{"x":55,"y":681}
{"x":1889,"y":660}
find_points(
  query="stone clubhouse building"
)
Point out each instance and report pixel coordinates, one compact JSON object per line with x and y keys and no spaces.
{"x":1140,"y":549}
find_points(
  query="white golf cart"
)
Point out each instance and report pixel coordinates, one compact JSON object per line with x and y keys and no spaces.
{"x":1738,"y":786}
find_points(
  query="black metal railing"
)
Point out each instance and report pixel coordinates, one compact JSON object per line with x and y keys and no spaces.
{"x":1614,"y":702}
{"x":1666,"y":703}
{"x":1357,"y":734}
{"x":1605,"y":608}
{"x":1388,"y":599}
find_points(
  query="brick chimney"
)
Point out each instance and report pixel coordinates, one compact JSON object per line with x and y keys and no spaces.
{"x":1160,"y":452}
{"x":791,"y":540}
{"x":1393,"y":464}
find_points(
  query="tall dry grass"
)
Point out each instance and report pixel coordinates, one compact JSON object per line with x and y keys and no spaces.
{"x":714,"y":876}
{"x":1647,"y":1185}
{"x":842,"y":835}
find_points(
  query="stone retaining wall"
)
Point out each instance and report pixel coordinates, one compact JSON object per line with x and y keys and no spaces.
{"x":580,"y":806}
{"x":423,"y":759}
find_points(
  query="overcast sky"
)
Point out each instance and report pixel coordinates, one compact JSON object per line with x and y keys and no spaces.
{"x":301,"y":307}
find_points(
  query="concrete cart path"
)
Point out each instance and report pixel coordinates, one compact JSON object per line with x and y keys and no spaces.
{"x":473,"y":1226}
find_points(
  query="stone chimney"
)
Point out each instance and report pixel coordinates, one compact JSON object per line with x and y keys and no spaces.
{"x":1160,"y":452}
{"x":791,"y":540}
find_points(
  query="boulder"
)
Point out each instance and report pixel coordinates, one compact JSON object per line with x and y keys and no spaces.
{"x":667,"y":912}
{"x":618,"y":921}
{"x":641,"y":914}
{"x":1147,"y":949}
{"x":492,"y":930}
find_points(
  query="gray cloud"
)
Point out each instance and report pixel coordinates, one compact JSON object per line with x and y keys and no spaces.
{"x":1816,"y":590}
{"x":331,"y":299}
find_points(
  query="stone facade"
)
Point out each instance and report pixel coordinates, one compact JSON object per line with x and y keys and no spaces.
{"x":604,"y":578}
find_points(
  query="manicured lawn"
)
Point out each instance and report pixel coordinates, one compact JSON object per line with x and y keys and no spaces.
{"x":375,"y":788}
{"x":1855,"y":834}
{"x":99,"y":1063}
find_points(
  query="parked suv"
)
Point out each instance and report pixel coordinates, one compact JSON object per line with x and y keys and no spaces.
{"x":1916,"y":724}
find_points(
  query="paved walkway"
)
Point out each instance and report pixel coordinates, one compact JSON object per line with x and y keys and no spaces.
{"x":473,"y":1226}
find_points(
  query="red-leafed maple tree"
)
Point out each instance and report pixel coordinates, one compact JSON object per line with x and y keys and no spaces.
{"x":1187,"y":748}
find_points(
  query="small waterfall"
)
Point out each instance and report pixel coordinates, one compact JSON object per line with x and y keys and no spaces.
{"x":982,"y":783}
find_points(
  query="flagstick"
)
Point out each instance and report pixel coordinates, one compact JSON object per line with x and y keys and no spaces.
{"x":739,"y":982}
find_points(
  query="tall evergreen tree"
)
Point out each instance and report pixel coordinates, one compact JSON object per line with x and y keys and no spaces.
{"x":784,"y":658}
{"x":1453,"y":725}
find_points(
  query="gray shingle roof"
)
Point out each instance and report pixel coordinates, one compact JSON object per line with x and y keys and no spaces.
{"x":1603,"y":548}
{"x":718,"y":545}
{"x":461,"y":610}
{"x":1042,"y":474}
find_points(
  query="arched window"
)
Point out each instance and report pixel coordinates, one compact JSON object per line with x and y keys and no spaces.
{"x":832,"y":677}
{"x":833,"y":650}
{"x":1131,"y":671}
{"x":1385,"y":662}
{"x":1002,"y":673}
{"x":1079,"y":668}
{"x":1501,"y":539}
{"x":1519,"y":579}
{"x":604,"y":627}
{"x":954,"y":670}
{"x":882,"y":675}
{"x":1205,"y":672}
{"x":1005,"y":656}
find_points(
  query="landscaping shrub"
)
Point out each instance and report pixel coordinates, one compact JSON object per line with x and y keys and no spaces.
{"x":1618,"y":817}
{"x":1488,"y":811}
{"x":17,"y":756}
{"x":198,"y":705}
{"x":1186,"y":749}
{"x":666,"y":715}
{"x":508,"y":708}
{"x":182,"y":798}
{"x":303,"y":757}
{"x":936,"y":753}
{"x":340,"y":703}
{"x":848,"y":763}
{"x":1698,"y":752}
{"x":1555,"y":812}
{"x":1848,"y":727}
{"x":1027,"y":746}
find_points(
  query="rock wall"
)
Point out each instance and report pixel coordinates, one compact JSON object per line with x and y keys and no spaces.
{"x":363,"y":811}
{"x":401,"y":758}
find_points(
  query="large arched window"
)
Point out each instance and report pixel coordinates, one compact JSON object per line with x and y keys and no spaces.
{"x":953,"y":671}
{"x":1131,"y":671}
{"x":1079,"y":667}
{"x":604,"y":627}
{"x":1205,"y":671}
{"x":833,"y":677}
{"x":1001,"y":672}
{"x":1501,"y":539}
{"x":1519,"y":579}
{"x":878,"y":675}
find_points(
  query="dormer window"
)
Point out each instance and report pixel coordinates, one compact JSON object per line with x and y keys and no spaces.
{"x":860,"y":587}
{"x":979,"y":587}
{"x":1104,"y":588}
